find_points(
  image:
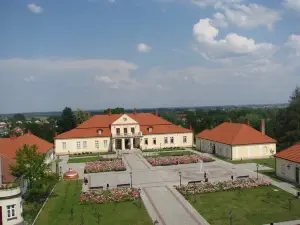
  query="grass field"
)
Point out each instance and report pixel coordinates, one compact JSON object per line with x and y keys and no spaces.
{"x":65,"y":200}
{"x":85,"y":159}
{"x":163,"y":150}
{"x":265,"y":162}
{"x":271,"y":174}
{"x":248,"y":206}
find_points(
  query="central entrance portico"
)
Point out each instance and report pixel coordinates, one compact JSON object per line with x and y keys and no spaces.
{"x":127,"y":143}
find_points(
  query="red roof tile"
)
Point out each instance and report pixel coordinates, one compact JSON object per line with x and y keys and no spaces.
{"x":292,"y":153}
{"x":235,"y":134}
{"x":9,"y":146}
{"x":90,"y":127}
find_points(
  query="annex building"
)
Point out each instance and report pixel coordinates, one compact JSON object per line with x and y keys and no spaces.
{"x":111,"y":132}
{"x":287,"y":164}
{"x":236,"y":141}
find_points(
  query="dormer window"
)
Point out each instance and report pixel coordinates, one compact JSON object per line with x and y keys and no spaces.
{"x":150,"y":129}
{"x":100,"y":131}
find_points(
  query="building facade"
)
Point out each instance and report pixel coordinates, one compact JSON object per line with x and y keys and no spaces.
{"x":112,"y":132}
{"x":236,"y":142}
{"x":10,"y":205}
{"x":287,"y":164}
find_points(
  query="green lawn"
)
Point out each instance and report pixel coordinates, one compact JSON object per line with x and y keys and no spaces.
{"x":271,"y":174}
{"x":265,"y":162}
{"x":85,"y":159}
{"x":66,"y":197}
{"x":249,"y":206}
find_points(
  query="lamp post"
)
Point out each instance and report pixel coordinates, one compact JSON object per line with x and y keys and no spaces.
{"x":155,"y":222}
{"x":130,"y":179}
{"x":230,"y":218}
{"x":180,"y":177}
{"x":257,"y":165}
{"x":60,"y":172}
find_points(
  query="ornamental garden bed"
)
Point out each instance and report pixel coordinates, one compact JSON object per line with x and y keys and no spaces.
{"x":174,"y":160}
{"x":163,"y":149}
{"x":104,"y":166}
{"x":170,"y":153}
{"x":82,"y":154}
{"x":110,"y":196}
{"x":208,"y":187}
{"x":64,"y":207}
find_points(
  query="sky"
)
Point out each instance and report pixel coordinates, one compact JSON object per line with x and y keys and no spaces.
{"x":96,"y":54}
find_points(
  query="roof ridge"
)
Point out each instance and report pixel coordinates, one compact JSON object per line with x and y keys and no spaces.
{"x":241,"y":127}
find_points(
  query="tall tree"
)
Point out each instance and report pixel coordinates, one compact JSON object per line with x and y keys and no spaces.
{"x":80,"y":116}
{"x":19,"y":117}
{"x":67,"y":121}
{"x":117,"y":110}
{"x":287,"y":129}
{"x":30,"y":164}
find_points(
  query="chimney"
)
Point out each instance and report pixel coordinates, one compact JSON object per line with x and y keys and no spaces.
{"x":109,"y":112}
{"x":28,"y":131}
{"x":248,"y":122}
{"x":156,"y":112}
{"x":13,"y":136}
{"x":134,"y":111}
{"x":191,"y":128}
{"x":263,"y":126}
{"x":55,"y":134}
{"x":89,"y":115}
{"x":230,"y":121}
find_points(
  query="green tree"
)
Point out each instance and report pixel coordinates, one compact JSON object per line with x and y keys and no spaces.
{"x":19,"y":117}
{"x":67,"y":121}
{"x":117,"y":110}
{"x":81,"y":116}
{"x":30,"y":164}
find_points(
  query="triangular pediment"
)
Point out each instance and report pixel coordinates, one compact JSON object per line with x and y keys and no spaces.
{"x":125,"y":119}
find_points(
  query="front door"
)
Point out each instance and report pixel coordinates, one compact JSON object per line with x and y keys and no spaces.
{"x":297,"y":174}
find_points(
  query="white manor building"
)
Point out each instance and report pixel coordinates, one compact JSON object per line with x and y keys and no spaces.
{"x":111,"y":132}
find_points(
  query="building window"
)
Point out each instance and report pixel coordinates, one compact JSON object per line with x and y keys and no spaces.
{"x":132,"y":130}
{"x":125,"y":130}
{"x":85,"y":144}
{"x":146,"y":141}
{"x":105,"y":143}
{"x":118,"y":130}
{"x":78,"y":144}
{"x":100,"y":131}
{"x":166,"y":140}
{"x":97,"y":144}
{"x":154,"y":141}
{"x":171,"y":140}
{"x":11,"y":214}
{"x":184,"y":139}
{"x":64,"y":144}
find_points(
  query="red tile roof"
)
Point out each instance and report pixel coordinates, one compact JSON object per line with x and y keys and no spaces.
{"x":90,"y":127}
{"x":9,"y":146}
{"x":292,"y":153}
{"x":235,"y":134}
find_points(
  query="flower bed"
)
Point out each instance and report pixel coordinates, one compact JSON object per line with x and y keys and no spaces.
{"x":173,"y":160}
{"x":221,"y":186}
{"x":108,"y":196}
{"x":104,"y":166}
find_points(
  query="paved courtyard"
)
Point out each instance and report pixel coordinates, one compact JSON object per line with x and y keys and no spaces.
{"x":162,"y":201}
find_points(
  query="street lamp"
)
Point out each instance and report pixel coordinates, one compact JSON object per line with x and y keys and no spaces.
{"x":180,"y":177}
{"x":130,"y":179}
{"x":257,"y":165}
{"x":230,"y":217}
{"x":155,"y":222}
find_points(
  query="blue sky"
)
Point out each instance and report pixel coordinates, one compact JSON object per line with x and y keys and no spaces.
{"x":95,"y":54}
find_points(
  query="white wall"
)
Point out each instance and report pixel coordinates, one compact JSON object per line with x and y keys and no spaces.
{"x":221,"y":149}
{"x":160,"y":140}
{"x":50,"y":156}
{"x":125,"y":122}
{"x":71,"y":145}
{"x":256,"y":151}
{"x":17,"y":201}
{"x":284,"y":172}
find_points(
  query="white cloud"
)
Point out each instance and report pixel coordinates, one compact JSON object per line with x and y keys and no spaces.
{"x":248,"y":16}
{"x":162,"y":87}
{"x":35,"y":8}
{"x":143,"y":48}
{"x":293,"y":42}
{"x":29,"y":79}
{"x":205,"y":34}
{"x":292,"y":4}
{"x":112,"y":1}
{"x":215,"y":3}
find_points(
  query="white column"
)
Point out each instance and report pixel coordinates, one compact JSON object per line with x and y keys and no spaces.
{"x":131,"y":143}
{"x":113,"y":144}
{"x":123,"y":143}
